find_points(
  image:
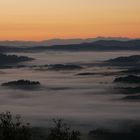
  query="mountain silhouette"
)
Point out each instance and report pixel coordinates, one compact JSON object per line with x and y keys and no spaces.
{"x":101,"y":45}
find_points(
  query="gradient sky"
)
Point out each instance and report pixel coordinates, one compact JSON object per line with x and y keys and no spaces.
{"x":45,"y":19}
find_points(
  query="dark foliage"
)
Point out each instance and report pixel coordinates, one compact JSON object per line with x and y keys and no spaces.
{"x":11,"y":128}
{"x":62,"y":132}
{"x":12,"y":59}
{"x":63,"y":67}
{"x":86,"y":74}
{"x":21,"y":83}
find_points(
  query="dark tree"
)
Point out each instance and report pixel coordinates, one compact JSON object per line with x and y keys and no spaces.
{"x":61,"y":131}
{"x":11,"y":128}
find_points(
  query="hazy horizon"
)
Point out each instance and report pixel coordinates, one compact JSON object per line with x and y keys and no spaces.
{"x":74,"y":38}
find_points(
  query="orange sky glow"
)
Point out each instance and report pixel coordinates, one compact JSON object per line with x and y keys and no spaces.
{"x":45,"y":19}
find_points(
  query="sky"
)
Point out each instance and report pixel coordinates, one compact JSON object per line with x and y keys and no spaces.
{"x":46,"y":19}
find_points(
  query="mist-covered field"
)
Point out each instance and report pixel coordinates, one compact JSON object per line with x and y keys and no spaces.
{"x":86,"y":101}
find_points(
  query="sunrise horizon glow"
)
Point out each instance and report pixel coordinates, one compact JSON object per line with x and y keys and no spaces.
{"x":47,"y":19}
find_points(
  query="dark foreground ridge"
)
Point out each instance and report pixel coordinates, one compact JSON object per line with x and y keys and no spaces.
{"x":21,"y":83}
{"x":12,"y":59}
{"x":12,"y":128}
{"x":128,"y":79}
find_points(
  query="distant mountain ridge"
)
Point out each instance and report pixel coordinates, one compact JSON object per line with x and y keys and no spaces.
{"x":101,"y":45}
{"x":52,"y":42}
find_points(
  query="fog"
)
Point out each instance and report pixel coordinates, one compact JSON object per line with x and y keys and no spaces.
{"x":86,"y":101}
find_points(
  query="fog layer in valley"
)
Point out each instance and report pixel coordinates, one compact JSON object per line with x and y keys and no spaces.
{"x":85,"y":100}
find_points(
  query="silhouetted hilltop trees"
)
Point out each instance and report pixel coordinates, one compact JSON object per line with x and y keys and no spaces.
{"x":58,"y":67}
{"x":21,"y":83}
{"x":12,"y":59}
{"x":86,"y":74}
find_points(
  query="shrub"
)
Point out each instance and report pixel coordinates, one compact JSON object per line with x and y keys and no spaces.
{"x":61,"y":131}
{"x":11,"y":128}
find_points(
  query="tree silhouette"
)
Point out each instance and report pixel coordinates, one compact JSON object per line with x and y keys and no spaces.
{"x":11,"y":128}
{"x":61,"y":131}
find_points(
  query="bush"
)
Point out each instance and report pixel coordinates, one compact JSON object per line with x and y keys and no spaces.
{"x":62,"y":132}
{"x":11,"y":128}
